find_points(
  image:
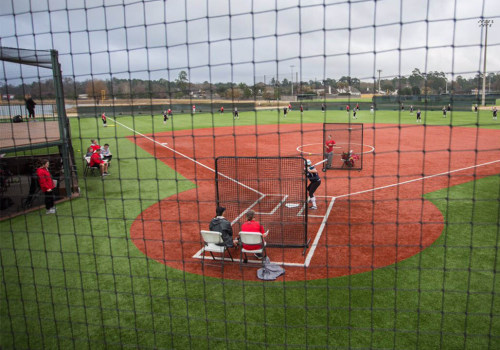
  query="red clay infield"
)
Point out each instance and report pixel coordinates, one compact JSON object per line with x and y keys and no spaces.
{"x":362,"y":232}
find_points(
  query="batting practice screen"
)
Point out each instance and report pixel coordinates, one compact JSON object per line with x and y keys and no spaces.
{"x":273,"y":187}
{"x":348,"y":148}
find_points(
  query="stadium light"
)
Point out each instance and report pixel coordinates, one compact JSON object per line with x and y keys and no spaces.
{"x":485,"y":23}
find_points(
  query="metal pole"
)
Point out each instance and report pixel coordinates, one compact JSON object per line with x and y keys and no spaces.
{"x":292,"y":76}
{"x":485,"y":23}
{"x":379,"y":71}
{"x":62,"y":121}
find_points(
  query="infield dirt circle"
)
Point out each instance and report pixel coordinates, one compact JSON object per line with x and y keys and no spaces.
{"x":378,"y":217}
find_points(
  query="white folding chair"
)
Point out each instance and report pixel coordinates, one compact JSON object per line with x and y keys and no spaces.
{"x":88,"y":168}
{"x":252,"y":238}
{"x":211,"y":240}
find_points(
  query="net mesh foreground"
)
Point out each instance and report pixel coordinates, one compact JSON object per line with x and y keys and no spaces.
{"x":403,"y":253}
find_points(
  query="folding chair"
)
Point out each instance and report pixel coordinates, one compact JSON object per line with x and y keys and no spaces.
{"x":211,"y":240}
{"x":252,"y":238}
{"x":88,"y":168}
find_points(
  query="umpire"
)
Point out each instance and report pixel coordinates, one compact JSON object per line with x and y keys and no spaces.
{"x":222,"y":225}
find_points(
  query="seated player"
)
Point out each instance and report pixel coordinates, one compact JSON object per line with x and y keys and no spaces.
{"x":96,"y":161}
{"x":89,"y":152}
{"x":253,"y":226}
{"x":94,"y":145}
{"x":106,"y":153}
{"x":220,"y":224}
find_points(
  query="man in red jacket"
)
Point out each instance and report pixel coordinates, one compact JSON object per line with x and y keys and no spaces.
{"x":47,"y":185}
{"x":96,"y":161}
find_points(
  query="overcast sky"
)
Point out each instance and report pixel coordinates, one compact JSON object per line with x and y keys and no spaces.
{"x":244,"y":40}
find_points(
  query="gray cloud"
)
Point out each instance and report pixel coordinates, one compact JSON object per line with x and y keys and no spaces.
{"x":231,"y":40}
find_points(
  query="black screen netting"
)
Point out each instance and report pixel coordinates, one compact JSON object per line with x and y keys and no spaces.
{"x":125,"y":124}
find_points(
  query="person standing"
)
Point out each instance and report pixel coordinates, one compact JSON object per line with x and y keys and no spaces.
{"x":329,"y":151}
{"x":30,"y":106}
{"x":301,"y":109}
{"x":354,"y":114}
{"x":411,"y":109}
{"x":313,"y":176}
{"x":323,"y":107}
{"x":419,"y":118}
{"x":236,"y":115}
{"x":165,"y":116}
{"x":170,"y":114}
{"x":103,"y":118}
{"x":289,"y":106}
{"x":371,"y":109}
{"x":194,"y":109}
{"x":347,"y":108}
{"x":494,"y":113}
{"x":285,"y":111}
{"x":444,"y":112}
{"x":475,"y":108}
{"x":220,"y":224}
{"x":251,"y":225}
{"x":47,"y":185}
{"x":221,"y":110}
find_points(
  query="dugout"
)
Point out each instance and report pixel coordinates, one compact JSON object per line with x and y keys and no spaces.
{"x":23,"y":145}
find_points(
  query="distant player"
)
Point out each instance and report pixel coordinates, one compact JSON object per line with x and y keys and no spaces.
{"x":494,"y":113}
{"x":329,"y":151}
{"x":194,"y":109}
{"x":285,"y":111}
{"x":221,"y":110}
{"x":411,"y":109}
{"x":444,"y":112}
{"x":313,"y":176}
{"x":290,"y":107}
{"x":403,"y":107}
{"x":301,"y":109}
{"x":165,"y":116}
{"x":323,"y":107}
{"x":419,"y":119}
{"x":475,"y":108}
{"x":103,"y":118}
{"x":371,"y":109}
{"x":357,"y":106}
{"x":354,"y":114}
{"x":449,"y":107}
{"x":236,"y":115}
{"x":347,"y":108}
{"x":169,"y":113}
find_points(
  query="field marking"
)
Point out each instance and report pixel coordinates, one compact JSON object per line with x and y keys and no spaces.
{"x":283,"y":200}
{"x":197,"y":255}
{"x":318,"y":234}
{"x":418,"y":179}
{"x":187,"y":157}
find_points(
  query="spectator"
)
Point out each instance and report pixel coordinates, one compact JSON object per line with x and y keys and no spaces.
{"x":89,"y":152}
{"x":222,"y":225}
{"x":47,"y":186}
{"x":30,"y":106}
{"x":253,"y":226}
{"x":95,"y":146}
{"x":96,"y":161}
{"x":106,"y":153}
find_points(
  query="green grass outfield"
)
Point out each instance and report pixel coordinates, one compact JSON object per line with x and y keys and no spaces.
{"x":75,"y":280}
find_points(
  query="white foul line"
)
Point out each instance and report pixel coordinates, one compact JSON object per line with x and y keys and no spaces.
{"x":187,"y":157}
{"x":419,"y":179}
{"x":319,"y":233}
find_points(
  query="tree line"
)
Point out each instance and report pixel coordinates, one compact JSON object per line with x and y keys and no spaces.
{"x":418,"y":83}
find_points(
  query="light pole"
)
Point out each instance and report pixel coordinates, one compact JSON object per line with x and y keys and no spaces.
{"x":379,"y":71}
{"x":291,"y":67}
{"x":485,"y":23}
